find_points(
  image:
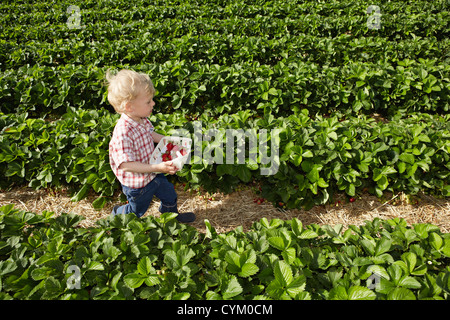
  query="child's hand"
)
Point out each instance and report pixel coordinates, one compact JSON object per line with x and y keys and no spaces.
{"x":168,"y":167}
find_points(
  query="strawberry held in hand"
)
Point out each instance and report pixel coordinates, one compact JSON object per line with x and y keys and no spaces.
{"x":169,"y":146}
{"x":166,"y":157}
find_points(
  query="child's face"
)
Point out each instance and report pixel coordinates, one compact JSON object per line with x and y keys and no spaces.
{"x":141,"y":107}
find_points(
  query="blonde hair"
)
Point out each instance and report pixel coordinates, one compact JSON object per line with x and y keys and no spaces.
{"x":126,"y":86}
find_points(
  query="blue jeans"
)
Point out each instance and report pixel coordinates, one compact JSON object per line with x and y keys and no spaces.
{"x":139,"y":199}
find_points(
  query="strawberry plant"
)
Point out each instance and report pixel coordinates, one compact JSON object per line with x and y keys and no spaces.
{"x":124,"y":257}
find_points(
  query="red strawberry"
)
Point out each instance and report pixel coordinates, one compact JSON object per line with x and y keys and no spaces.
{"x":166,"y":156}
{"x":183,"y":152}
{"x":169,"y":146}
{"x":352,"y":199}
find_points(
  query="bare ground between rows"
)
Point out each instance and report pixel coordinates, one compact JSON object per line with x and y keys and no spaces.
{"x":225,"y":212}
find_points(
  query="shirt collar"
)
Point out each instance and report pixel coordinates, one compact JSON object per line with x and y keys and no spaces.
{"x":131,"y":121}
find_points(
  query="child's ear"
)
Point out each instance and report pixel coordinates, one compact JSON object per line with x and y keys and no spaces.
{"x":127,"y":106}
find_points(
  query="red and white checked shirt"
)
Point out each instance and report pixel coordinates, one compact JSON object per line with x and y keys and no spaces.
{"x":131,"y":141}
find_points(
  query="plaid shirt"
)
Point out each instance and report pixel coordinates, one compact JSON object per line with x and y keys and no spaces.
{"x":131,"y":141}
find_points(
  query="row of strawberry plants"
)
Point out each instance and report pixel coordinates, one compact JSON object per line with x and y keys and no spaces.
{"x":223,"y":49}
{"x":70,"y":150}
{"x":314,"y":158}
{"x":123,"y":257}
{"x":177,"y":19}
{"x":286,"y":87}
{"x":326,"y":155}
{"x":82,"y":46}
{"x":139,"y":33}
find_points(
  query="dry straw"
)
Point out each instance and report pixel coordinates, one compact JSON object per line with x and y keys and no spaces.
{"x":228,"y":211}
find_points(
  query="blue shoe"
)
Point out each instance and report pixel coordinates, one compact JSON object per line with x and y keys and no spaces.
{"x":114,"y":210}
{"x":186,"y":217}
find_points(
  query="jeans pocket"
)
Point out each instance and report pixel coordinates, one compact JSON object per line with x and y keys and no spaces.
{"x":133,"y":194}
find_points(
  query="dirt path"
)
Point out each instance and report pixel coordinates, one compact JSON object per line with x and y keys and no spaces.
{"x":226,"y":212}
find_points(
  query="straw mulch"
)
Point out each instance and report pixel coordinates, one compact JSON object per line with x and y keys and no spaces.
{"x":228,"y":211}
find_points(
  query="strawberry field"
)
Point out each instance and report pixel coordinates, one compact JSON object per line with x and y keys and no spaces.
{"x":348,"y":96}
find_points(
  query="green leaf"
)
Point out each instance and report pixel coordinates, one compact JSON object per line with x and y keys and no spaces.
{"x":296,"y":286}
{"x":395,"y":273}
{"x":152,"y":280}
{"x":401,"y":294}
{"x":378,"y":270}
{"x":95,"y":265}
{"x":289,"y":255}
{"x":446,"y":249}
{"x":7,"y":209}
{"x":273,"y":224}
{"x":144,"y":266}
{"x":13,"y":168}
{"x":7,"y":267}
{"x":313,"y":175}
{"x":91,"y":178}
{"x":69,"y":220}
{"x":223,"y":169}
{"x":323,"y":184}
{"x":283,"y":273}
{"x":134,"y":280}
{"x":52,"y":284}
{"x":407,"y":157}
{"x":410,"y":260}
{"x":231,"y":288}
{"x":435,"y":240}
{"x":176,"y":260}
{"x":423,"y":229}
{"x":278,"y":243}
{"x":383,"y":182}
{"x":82,"y":193}
{"x":210,"y":231}
{"x":383,"y":245}
{"x":362,"y":261}
{"x":81,"y":138}
{"x":248,"y":269}
{"x":353,"y":293}
{"x":233,"y":260}
{"x":244,"y":173}
{"x":296,"y":159}
{"x":409,"y":282}
{"x":181,"y":296}
{"x":360,"y":293}
{"x":99,"y":203}
{"x":273,"y":91}
{"x":338,"y":293}
{"x":167,"y":216}
{"x":308,"y":234}
{"x":297,"y":226}
{"x":369,"y":246}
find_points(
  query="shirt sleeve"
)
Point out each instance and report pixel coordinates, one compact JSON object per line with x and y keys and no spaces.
{"x":122,"y":149}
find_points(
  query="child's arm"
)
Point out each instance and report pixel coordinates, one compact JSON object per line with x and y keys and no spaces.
{"x":139,"y":167}
{"x":156,"y":136}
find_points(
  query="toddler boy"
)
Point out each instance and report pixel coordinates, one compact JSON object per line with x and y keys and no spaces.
{"x":132,"y":144}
